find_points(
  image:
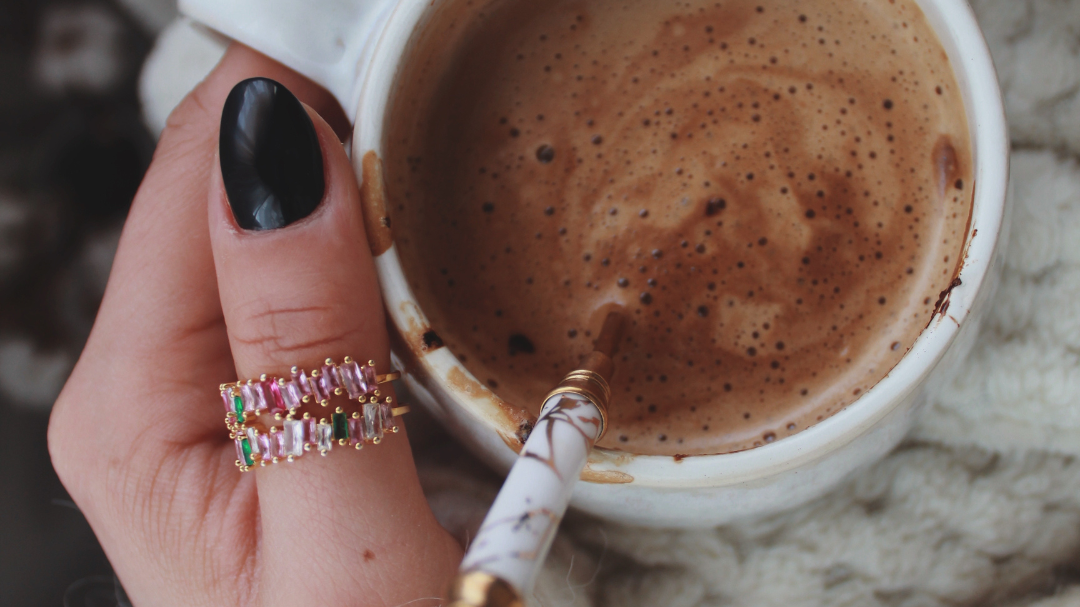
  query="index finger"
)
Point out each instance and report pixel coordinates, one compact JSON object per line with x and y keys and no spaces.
{"x":145,"y":387}
{"x":158,"y":346}
{"x":161,"y":312}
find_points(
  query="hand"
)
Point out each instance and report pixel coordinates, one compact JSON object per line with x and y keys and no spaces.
{"x":194,"y":300}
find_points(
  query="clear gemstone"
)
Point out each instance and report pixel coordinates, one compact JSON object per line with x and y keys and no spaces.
{"x":259,"y":442}
{"x":325,"y":436}
{"x":352,"y":379}
{"x":277,"y":445}
{"x":226,"y":397}
{"x":248,"y":396}
{"x":291,"y":394}
{"x":275,"y":400}
{"x":386,"y":413}
{"x":293,"y":437}
{"x":372,"y":426}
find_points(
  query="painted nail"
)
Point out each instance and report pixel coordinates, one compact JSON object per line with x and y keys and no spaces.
{"x":271,"y":161}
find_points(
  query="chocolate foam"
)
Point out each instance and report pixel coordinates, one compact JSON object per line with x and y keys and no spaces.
{"x":777,"y":192}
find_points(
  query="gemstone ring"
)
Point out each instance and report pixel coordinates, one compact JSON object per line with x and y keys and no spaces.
{"x":249,"y":403}
{"x":276,"y":396}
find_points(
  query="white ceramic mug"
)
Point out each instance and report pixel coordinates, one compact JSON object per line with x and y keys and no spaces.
{"x":355,"y":48}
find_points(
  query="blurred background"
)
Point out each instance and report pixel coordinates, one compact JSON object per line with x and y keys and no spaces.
{"x":73,"y":149}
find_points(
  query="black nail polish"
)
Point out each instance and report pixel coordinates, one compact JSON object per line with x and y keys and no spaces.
{"x":271,"y":162}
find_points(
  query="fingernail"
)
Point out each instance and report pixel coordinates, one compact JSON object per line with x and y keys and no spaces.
{"x":271,"y":162}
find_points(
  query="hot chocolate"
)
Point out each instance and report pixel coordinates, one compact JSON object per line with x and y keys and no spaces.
{"x":777,"y":191}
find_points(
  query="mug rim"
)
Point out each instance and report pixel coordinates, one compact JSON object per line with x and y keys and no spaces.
{"x":973,"y":67}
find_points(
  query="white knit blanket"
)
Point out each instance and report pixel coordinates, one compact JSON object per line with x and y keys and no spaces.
{"x":981,"y":506}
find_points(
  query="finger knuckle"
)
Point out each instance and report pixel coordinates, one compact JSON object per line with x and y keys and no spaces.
{"x":186,"y":127}
{"x":285,"y":335}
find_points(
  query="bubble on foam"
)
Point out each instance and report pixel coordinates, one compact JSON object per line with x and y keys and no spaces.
{"x":545,"y":153}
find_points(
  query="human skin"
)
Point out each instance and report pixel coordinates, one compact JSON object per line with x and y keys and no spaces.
{"x":137,"y":434}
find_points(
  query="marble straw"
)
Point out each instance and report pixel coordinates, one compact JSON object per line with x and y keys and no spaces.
{"x":502,"y":562}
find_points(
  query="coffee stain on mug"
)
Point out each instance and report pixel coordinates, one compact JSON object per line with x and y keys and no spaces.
{"x":512,"y":416}
{"x":605,"y":477}
{"x":607,"y":457}
{"x":430,"y":340}
{"x":419,"y":336}
{"x":942,"y":305}
{"x":373,"y":204}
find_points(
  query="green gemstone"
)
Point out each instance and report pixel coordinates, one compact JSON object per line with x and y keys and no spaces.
{"x":341,"y":426}
{"x":246,"y":446}
{"x":238,"y":406}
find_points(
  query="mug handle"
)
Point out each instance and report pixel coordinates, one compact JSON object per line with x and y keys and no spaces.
{"x":328,"y":41}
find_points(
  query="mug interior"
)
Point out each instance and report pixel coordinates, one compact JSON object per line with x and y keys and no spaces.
{"x":452,"y":386}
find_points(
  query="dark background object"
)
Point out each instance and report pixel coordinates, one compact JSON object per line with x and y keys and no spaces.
{"x":73,"y":150}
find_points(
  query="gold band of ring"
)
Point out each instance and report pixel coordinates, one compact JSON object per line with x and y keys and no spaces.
{"x":258,"y":444}
{"x":481,"y":589}
{"x":383,"y":378}
{"x":591,"y":385}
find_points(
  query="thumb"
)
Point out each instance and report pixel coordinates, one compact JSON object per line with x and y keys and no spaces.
{"x":298,"y":286}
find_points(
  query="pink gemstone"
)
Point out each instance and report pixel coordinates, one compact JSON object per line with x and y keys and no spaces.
{"x":356,"y":431}
{"x":333,"y":371}
{"x":317,"y":391}
{"x":261,"y":397}
{"x":290,"y":392}
{"x":301,"y":380}
{"x":310,"y":436}
{"x":353,"y":380}
{"x":240,"y":451}
{"x":329,"y":379}
{"x":276,"y":402}
{"x":264,"y":446}
{"x":277,"y":445}
{"x":226,"y":397}
{"x":386,"y":412}
{"x":371,"y":381}
{"x":248,"y":396}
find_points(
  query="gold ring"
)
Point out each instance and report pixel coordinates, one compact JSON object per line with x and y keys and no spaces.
{"x":258,"y":443}
{"x":591,"y":385}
